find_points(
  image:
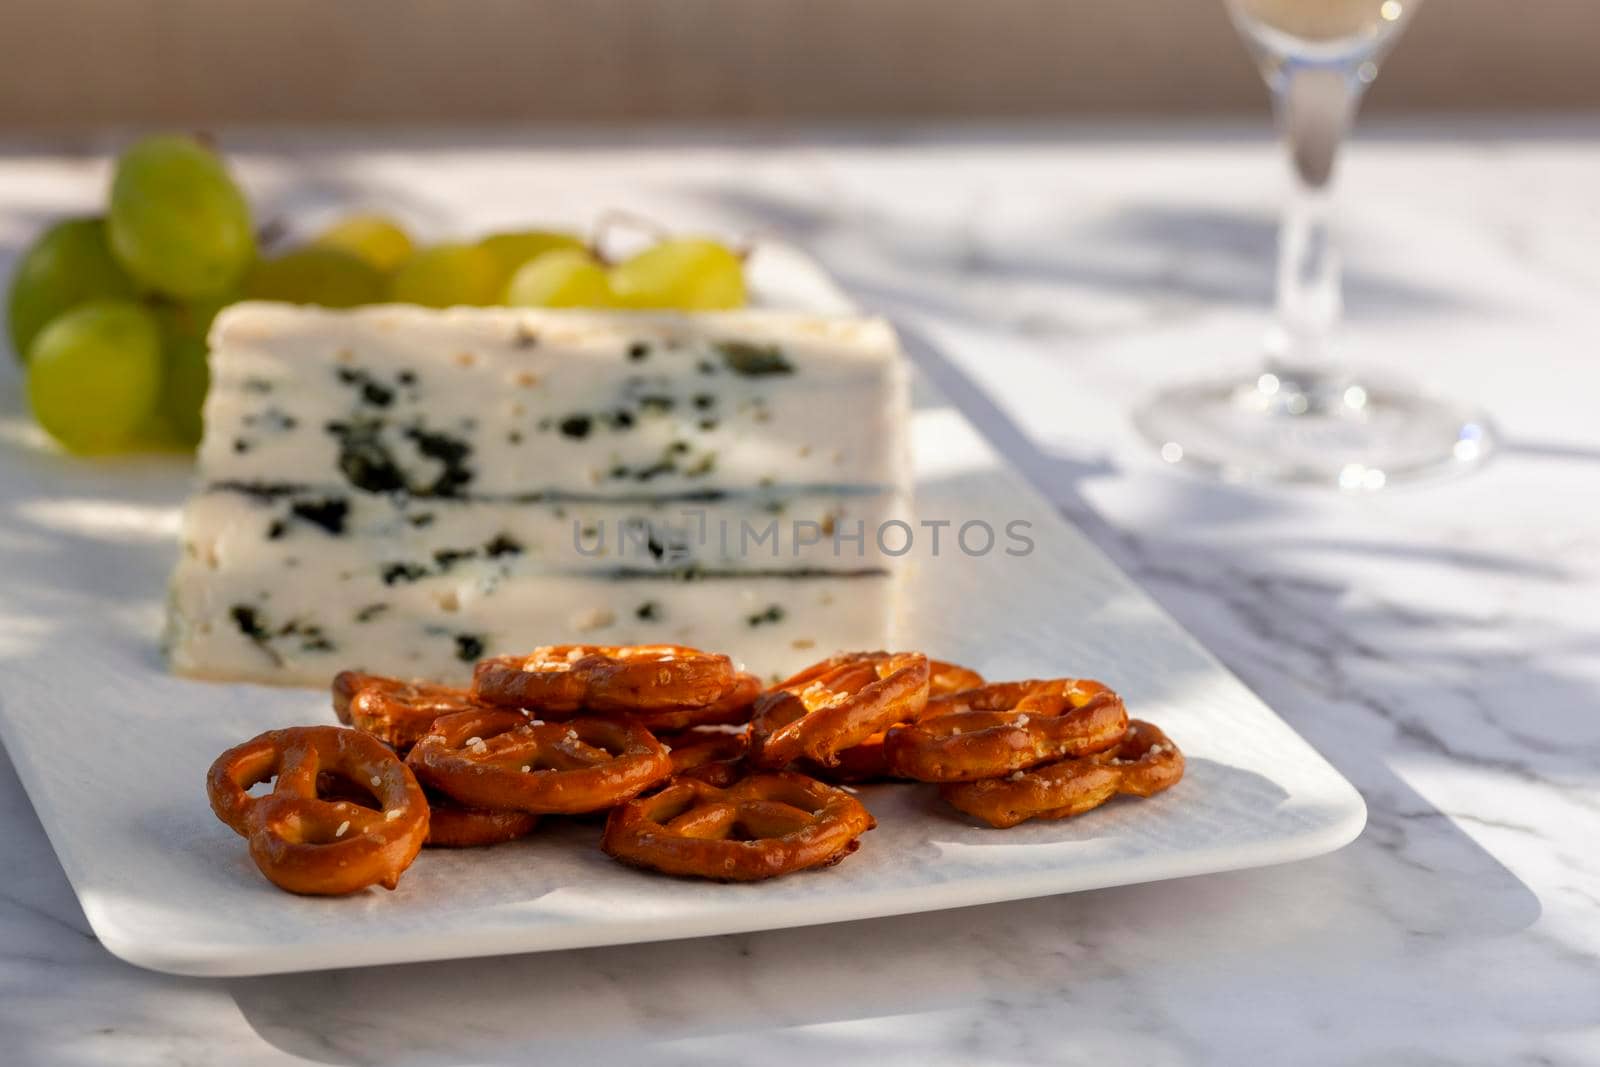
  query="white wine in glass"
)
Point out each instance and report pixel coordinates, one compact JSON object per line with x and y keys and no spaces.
{"x":1314,"y":21}
{"x":1302,"y":417}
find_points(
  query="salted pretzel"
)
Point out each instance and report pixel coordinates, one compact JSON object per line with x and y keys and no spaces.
{"x":307,"y":844}
{"x":947,"y":678}
{"x":452,"y":826}
{"x":732,"y":709}
{"x":395,"y":712}
{"x":835,"y":704}
{"x":996,"y":729}
{"x":709,"y":753}
{"x":1144,"y":762}
{"x":565,"y":679}
{"x":866,"y":762}
{"x":449,"y":824}
{"x":506,"y":760}
{"x":761,"y":827}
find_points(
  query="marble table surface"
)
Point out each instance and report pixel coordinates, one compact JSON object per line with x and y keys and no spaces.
{"x":1439,"y":644}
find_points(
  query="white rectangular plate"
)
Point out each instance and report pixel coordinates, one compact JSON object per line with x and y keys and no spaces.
{"x":113,"y":750}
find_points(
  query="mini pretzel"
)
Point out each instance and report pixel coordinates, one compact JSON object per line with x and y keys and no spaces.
{"x":946,"y":678}
{"x":734,"y":709}
{"x":761,"y":827}
{"x":449,"y":824}
{"x":303,"y":843}
{"x":866,"y":762}
{"x":835,"y":704}
{"x":1141,"y":764}
{"x":452,"y":826}
{"x":504,"y":760}
{"x":708,"y":753}
{"x":395,"y":712}
{"x":559,"y":679}
{"x":997,"y":729}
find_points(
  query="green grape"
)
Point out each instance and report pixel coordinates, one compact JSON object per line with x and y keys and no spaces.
{"x":94,"y":374}
{"x":312,"y":275}
{"x":566,"y":278}
{"x":157,"y":434}
{"x":378,"y":240}
{"x":687,"y":273}
{"x":186,"y":377}
{"x":68,"y":265}
{"x":448,"y":275}
{"x":178,"y":223}
{"x":185,"y":373}
{"x":512,"y":250}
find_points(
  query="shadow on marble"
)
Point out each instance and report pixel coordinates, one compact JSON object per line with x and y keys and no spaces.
{"x":1059,"y":476}
{"x":1531,"y":448}
{"x":1174,"y":260}
{"x":1237,"y":245}
{"x":1188,"y":502}
{"x":1467,"y":560}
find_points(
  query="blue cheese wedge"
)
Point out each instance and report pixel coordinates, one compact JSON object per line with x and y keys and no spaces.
{"x":502,"y":404}
{"x":406,"y":490}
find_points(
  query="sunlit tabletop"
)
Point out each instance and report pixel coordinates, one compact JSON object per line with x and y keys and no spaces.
{"x":1439,"y":644}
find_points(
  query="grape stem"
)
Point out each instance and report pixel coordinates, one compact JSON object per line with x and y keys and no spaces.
{"x":747,"y":246}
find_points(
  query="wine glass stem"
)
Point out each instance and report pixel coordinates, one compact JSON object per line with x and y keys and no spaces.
{"x":1315,"y":106}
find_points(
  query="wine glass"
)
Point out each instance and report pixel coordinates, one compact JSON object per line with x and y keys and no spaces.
{"x":1303,"y":418}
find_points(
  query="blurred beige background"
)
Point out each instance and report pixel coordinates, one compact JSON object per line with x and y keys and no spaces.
{"x":76,"y":63}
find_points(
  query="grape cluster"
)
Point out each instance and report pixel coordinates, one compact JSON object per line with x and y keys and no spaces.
{"x":110,"y":313}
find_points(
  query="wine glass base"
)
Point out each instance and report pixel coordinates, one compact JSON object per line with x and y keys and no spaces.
{"x":1313,"y":429}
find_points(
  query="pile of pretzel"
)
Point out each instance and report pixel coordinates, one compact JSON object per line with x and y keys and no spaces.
{"x":702,"y":771}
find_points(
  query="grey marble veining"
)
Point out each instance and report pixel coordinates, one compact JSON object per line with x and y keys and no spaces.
{"x":1439,"y":645}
